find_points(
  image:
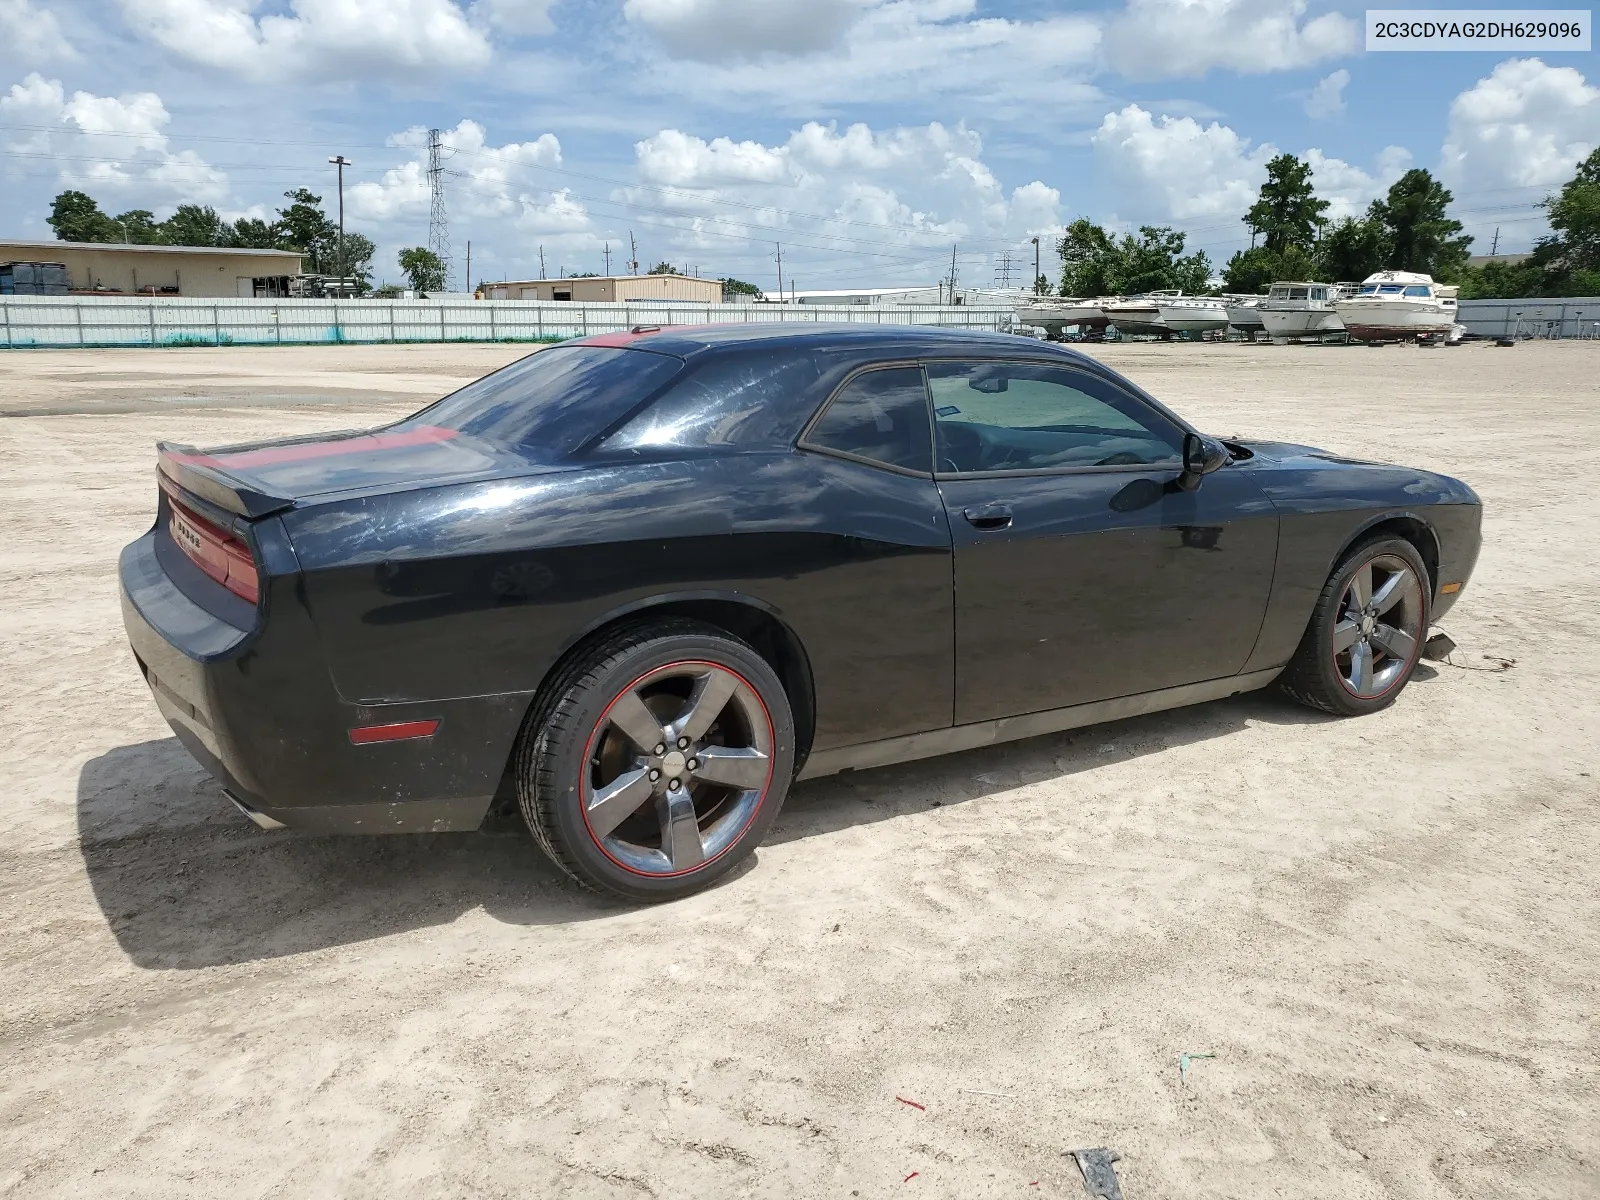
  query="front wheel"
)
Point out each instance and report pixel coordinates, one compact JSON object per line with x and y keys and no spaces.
{"x":1366,"y":631}
{"x":657,"y":761}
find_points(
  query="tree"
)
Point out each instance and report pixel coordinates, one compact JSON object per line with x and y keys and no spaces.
{"x":1252,"y":271}
{"x":305,"y":227}
{"x":194,"y":225}
{"x":1575,"y":217}
{"x":252,"y":233}
{"x":664,"y":268}
{"x":138,"y":227}
{"x":1421,"y":237}
{"x":1352,"y":249}
{"x":732,"y":287}
{"x":76,"y":217}
{"x":1088,"y":256}
{"x":1154,"y":260}
{"x":1287,"y":210}
{"x":422,"y":268}
{"x":358,"y":252}
{"x":1041,"y":285}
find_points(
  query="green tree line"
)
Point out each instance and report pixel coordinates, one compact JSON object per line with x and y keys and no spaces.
{"x":301,"y":225}
{"x":1408,"y":229}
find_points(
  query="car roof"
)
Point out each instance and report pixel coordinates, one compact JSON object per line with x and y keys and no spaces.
{"x":690,"y":341}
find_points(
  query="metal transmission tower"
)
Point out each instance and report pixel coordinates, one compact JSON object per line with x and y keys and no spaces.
{"x":1003,"y":269}
{"x":438,"y":223}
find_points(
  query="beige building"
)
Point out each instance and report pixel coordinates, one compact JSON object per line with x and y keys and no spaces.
{"x":115,"y":269}
{"x":610,"y":289}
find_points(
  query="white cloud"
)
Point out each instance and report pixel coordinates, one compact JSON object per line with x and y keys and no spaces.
{"x":31,"y":35}
{"x":723,"y":30}
{"x":676,"y":158}
{"x":515,"y":16}
{"x":1348,"y":189}
{"x":334,"y":38}
{"x":875,"y":50}
{"x":108,"y":142}
{"x":1327,"y":98}
{"x":1178,"y":168}
{"x":1525,"y":125}
{"x":1157,"y":39}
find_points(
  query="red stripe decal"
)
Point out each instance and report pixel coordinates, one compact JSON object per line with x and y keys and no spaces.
{"x":399,"y":732}
{"x":267,"y":456}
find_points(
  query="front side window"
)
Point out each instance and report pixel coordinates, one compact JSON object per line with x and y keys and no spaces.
{"x":1297,"y":293}
{"x":1000,"y":416}
{"x":1418,"y":290}
{"x":881,"y":416}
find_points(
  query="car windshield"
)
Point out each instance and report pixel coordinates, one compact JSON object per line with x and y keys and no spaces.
{"x":550,"y":403}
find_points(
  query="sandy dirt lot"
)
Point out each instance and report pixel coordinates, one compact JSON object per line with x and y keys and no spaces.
{"x":1384,"y":930}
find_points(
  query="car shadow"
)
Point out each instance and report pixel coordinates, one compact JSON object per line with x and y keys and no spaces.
{"x":186,"y":882}
{"x":824,"y":806}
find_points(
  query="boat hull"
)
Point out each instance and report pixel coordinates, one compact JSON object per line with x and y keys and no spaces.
{"x":1197,"y":319}
{"x":1132,"y":320}
{"x":1394,"y":321}
{"x":1300,"y":322}
{"x":1056,"y":319}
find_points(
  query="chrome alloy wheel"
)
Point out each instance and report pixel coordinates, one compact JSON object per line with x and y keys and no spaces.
{"x":676,"y":768}
{"x":1379,"y":629}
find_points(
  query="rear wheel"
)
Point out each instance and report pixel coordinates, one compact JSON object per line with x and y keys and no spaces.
{"x":657,"y":761}
{"x":1366,"y":632}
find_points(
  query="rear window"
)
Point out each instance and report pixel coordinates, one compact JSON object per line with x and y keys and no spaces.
{"x":550,"y":403}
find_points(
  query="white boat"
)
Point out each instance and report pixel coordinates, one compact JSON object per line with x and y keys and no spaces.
{"x":1299,"y":308}
{"x":1393,"y":306}
{"x":1140,"y":314}
{"x":1193,"y":314}
{"x":1244,"y":313}
{"x":1055,"y":315}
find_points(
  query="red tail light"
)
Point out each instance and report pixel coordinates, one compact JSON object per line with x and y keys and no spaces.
{"x":215,"y":551}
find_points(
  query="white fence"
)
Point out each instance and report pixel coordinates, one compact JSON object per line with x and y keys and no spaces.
{"x":72,"y":321}
{"x":1561,"y":317}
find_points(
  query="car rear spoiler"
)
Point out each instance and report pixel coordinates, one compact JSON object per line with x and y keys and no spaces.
{"x":201,"y":475}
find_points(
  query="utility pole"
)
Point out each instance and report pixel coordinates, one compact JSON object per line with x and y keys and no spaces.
{"x":608,"y":258}
{"x":1035,"y":264}
{"x":541,"y":262}
{"x":952,"y":273}
{"x":780,"y":271}
{"x":1495,"y":247}
{"x":438,"y":224}
{"x":470,"y":288}
{"x":633,"y":254}
{"x":341,"y":162}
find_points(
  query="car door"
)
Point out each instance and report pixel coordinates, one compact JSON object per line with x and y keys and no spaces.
{"x":1082,"y":572}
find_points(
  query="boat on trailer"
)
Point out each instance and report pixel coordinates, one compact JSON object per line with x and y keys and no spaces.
{"x":1399,"y":306}
{"x":1056,"y":315}
{"x":1303,"y":308}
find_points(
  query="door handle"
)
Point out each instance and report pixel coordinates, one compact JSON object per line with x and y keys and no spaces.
{"x":988,"y":517}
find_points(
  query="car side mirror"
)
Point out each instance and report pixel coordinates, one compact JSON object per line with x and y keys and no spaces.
{"x":1201,"y":456}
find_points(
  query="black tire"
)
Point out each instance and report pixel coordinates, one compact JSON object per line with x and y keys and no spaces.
{"x":1315,"y":675}
{"x":558,"y":757}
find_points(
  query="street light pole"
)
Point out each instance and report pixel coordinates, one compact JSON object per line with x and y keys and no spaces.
{"x":1036,"y":265}
{"x":341,"y":162}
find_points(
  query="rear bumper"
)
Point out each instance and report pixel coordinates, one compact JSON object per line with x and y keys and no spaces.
{"x":259,"y":711}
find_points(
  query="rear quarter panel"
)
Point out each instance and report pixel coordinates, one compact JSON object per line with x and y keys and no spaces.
{"x":478,"y":589}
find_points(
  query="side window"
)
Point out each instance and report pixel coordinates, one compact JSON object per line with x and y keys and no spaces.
{"x":881,"y":415}
{"x":1000,"y":416}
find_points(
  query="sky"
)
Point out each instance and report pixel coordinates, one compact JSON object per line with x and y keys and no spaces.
{"x":867,"y":138}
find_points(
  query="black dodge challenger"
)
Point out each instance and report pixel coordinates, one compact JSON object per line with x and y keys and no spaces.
{"x":640,"y":583}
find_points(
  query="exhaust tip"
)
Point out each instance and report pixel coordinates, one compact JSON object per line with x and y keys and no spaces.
{"x":260,"y":818}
